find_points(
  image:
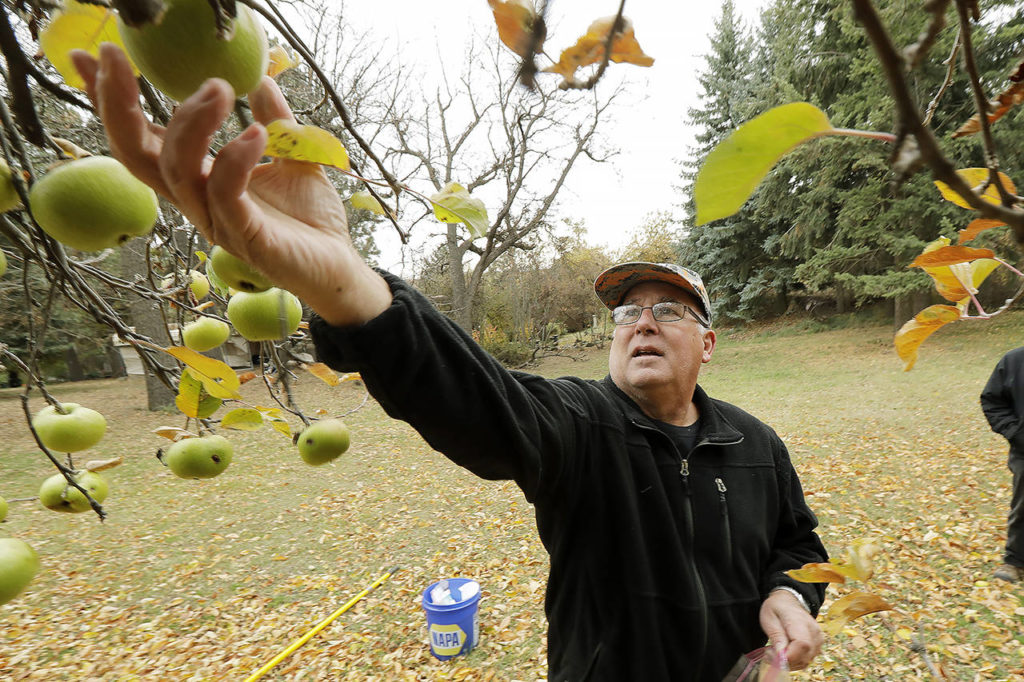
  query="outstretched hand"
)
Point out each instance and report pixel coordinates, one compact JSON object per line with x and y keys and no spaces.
{"x":283,"y":217}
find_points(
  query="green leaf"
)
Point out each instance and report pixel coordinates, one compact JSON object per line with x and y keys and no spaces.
{"x":242,"y":419}
{"x":454,"y":205}
{"x":734,"y":169}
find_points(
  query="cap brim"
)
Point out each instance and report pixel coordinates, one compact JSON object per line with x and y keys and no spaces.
{"x":613,"y":284}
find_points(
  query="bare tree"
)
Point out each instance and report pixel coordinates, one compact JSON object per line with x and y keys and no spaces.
{"x":513,"y":147}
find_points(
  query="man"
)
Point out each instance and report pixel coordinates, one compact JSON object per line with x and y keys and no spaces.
{"x":1002,"y":401}
{"x":669,"y":517}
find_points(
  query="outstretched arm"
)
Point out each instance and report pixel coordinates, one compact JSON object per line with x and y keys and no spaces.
{"x":283,"y":217}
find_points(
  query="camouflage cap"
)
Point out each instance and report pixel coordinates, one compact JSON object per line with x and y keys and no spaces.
{"x":613,"y":284}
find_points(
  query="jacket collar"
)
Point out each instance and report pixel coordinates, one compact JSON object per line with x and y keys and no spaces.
{"x":714,"y":427}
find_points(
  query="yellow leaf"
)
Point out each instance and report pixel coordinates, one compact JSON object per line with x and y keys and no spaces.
{"x":977,"y":226}
{"x":103,"y":464}
{"x":850,"y":607}
{"x":861,"y":555}
{"x":78,"y":27}
{"x":173,"y":433}
{"x":817,"y":573}
{"x":913,"y":333}
{"x":192,"y":398}
{"x":70,"y":148}
{"x":365,"y":201}
{"x":273,"y":416}
{"x":589,"y":49}
{"x":281,"y":59}
{"x":187,"y":399}
{"x":290,"y":140}
{"x":323,"y":373}
{"x":242,"y":419}
{"x":945,"y":256}
{"x":1004,"y":101}
{"x":954,"y":279}
{"x":453,"y":204}
{"x":352,"y":376}
{"x":514,"y":19}
{"x":976,"y":178}
{"x":217,"y":378}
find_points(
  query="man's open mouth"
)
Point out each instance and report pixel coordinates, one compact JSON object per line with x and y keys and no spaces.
{"x":641,"y":351}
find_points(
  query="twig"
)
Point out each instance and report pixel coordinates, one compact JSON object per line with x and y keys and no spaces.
{"x":592,"y":81}
{"x":284,"y":28}
{"x":910,"y":120}
{"x":981,"y":103}
{"x":950,"y":69}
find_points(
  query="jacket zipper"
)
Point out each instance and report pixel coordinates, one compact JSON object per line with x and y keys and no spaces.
{"x":684,"y":472}
{"x":724,"y":506}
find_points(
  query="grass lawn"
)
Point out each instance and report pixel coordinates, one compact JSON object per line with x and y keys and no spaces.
{"x":207,"y":580}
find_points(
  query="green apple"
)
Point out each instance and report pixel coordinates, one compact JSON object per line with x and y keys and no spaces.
{"x":265,"y":316}
{"x":203,"y":457}
{"x":3,"y":509}
{"x":205,"y":333}
{"x":323,"y":441}
{"x":57,"y":494}
{"x":92,"y":203}
{"x":19,"y":564}
{"x":236,"y":273}
{"x":198,"y":283}
{"x":78,"y":428}
{"x":9,"y":199}
{"x":181,"y":51}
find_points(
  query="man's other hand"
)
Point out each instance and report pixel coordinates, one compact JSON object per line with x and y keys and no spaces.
{"x":791,"y":629}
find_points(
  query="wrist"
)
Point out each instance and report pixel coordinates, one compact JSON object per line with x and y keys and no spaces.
{"x":799,"y":597}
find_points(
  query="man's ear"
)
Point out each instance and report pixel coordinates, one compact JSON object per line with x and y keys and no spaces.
{"x":709,"y":345}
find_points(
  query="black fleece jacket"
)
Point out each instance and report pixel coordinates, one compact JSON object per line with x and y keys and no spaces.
{"x":1002,"y":399}
{"x":658,"y":566}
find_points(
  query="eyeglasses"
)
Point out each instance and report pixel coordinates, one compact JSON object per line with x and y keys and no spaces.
{"x":666,"y":311}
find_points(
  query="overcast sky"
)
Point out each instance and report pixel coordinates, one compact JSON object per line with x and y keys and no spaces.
{"x":612,"y":198}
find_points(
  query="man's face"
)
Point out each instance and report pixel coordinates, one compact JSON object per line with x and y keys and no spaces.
{"x":649,"y":356}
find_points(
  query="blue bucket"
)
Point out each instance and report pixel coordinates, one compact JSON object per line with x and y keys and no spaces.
{"x":452,"y":624}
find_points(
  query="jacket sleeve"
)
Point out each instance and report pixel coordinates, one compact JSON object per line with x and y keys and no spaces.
{"x":796,"y":543}
{"x":997,"y":401}
{"x":425,"y":370}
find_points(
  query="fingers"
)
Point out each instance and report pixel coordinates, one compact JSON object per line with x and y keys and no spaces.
{"x":184,"y":160}
{"x":230,"y":204}
{"x":268,"y":104}
{"x":133,"y":139}
{"x":87,"y":68}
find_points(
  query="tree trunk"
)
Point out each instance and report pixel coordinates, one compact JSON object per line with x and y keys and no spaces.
{"x":116,"y":363}
{"x":145,"y":316}
{"x":908,"y":305}
{"x":462,"y":309}
{"x":73,"y":364}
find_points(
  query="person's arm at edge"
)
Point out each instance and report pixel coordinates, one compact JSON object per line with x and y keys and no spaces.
{"x":997,"y":406}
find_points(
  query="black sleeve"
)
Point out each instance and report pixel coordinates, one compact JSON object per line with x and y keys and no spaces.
{"x":997,"y":401}
{"x":426,"y":370}
{"x":796,"y":543}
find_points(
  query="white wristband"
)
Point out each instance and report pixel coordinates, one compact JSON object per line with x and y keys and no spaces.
{"x":799,"y":597}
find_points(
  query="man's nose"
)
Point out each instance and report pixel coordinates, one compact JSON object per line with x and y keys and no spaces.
{"x":646,"y":322}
